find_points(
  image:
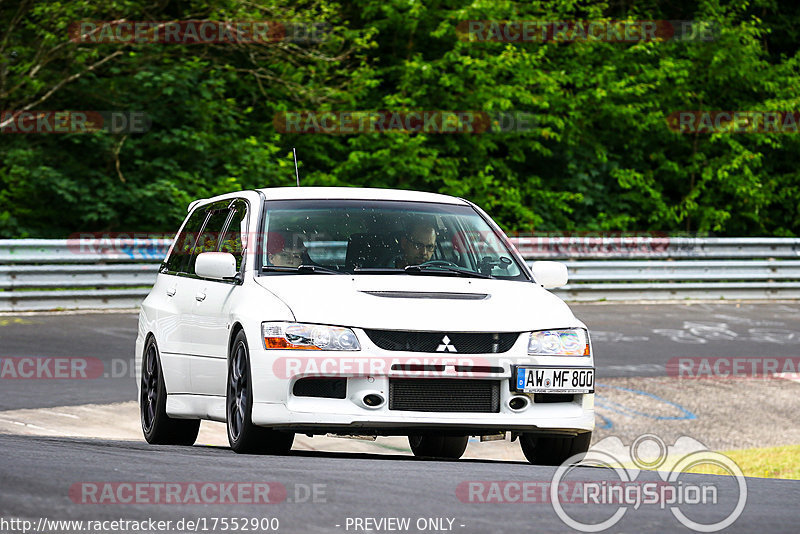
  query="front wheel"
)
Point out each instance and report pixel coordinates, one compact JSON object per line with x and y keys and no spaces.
{"x":553,"y":450}
{"x":451,"y":447}
{"x":157,"y":426}
{"x":245,"y":437}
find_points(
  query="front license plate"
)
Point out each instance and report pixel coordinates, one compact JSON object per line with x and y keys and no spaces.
{"x":555,"y":380}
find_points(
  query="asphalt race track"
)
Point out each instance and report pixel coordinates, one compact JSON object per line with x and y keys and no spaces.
{"x":37,"y":482}
{"x":47,"y":477}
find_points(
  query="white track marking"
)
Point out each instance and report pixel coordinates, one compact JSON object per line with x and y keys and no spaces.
{"x":71,"y":416}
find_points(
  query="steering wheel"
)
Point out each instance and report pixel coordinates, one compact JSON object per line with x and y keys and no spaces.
{"x":439,"y":263}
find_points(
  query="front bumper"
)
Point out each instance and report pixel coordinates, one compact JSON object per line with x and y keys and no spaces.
{"x":368,"y":371}
{"x":338,"y":414}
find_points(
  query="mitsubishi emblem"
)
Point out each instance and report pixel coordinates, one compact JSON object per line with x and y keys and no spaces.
{"x":446,"y":346}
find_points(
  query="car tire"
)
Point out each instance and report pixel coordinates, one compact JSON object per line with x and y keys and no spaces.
{"x":554,"y":450}
{"x":245,"y":437}
{"x":451,"y":447}
{"x":157,"y":426}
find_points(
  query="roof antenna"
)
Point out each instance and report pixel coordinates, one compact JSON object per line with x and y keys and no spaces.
{"x":296,"y":173}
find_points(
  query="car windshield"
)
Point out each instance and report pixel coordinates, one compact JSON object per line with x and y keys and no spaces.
{"x":383,"y":237}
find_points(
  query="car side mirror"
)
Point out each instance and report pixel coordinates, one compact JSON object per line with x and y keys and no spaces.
{"x":550,"y":274}
{"x":216,"y":265}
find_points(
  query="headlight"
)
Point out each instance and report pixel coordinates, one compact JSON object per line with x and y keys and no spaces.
{"x":567,"y":342}
{"x":308,"y":337}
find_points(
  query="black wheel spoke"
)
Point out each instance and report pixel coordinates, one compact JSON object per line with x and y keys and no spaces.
{"x":238,"y":391}
{"x":157,"y":426}
{"x":149,"y":387}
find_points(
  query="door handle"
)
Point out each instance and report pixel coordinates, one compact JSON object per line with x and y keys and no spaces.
{"x":171,"y":292}
{"x":200,"y":297}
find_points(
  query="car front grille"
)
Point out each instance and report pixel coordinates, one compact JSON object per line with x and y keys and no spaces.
{"x":444,"y":395}
{"x":539,"y":398}
{"x":331,"y":388}
{"x":458,"y":342}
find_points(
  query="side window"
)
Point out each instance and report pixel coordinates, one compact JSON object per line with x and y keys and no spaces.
{"x":232,"y":241}
{"x":184,"y":242}
{"x":208,"y":240}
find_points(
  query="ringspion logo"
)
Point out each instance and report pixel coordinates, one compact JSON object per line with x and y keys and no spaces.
{"x":723,"y":501}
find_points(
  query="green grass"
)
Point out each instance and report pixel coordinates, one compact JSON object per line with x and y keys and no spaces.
{"x":769,"y":462}
{"x":772,"y":462}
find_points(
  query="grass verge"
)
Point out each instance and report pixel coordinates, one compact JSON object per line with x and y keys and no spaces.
{"x":772,"y":462}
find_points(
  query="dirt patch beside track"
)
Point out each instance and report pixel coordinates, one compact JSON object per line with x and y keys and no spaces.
{"x":722,"y":414}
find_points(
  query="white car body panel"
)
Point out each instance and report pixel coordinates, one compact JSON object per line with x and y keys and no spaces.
{"x":509,"y":306}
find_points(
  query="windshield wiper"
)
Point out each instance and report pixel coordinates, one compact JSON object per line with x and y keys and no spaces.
{"x":303,"y":269}
{"x":413,"y":269}
{"x":420,"y":269}
{"x":377,"y":270}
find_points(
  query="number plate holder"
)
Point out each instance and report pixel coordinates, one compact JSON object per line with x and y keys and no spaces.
{"x":553,"y":379}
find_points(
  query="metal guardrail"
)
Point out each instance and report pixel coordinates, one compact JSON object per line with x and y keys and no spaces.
{"x":682,"y":279}
{"x":38,"y":274}
{"x":27,"y":251}
{"x":640,"y":247}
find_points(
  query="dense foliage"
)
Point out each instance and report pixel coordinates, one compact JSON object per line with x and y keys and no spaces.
{"x":600,"y":157}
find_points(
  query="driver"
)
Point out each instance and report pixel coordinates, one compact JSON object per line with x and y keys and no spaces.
{"x":417,"y":246}
{"x":286,"y":249}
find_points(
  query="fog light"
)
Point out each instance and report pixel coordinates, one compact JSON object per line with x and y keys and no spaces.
{"x":372,"y":400}
{"x":518,"y":403}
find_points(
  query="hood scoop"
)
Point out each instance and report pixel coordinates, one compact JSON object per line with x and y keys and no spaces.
{"x":438,"y":295}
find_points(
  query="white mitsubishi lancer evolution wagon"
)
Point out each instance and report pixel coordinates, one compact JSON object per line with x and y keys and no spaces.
{"x":360,"y":312}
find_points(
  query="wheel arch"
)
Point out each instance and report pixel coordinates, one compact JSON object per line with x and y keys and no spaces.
{"x":235,"y":329}
{"x":139,"y":361}
{"x":150,"y":335}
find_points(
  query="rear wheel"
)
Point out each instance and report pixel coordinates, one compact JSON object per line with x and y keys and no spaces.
{"x":554,"y":450}
{"x":243,"y":436}
{"x":157,"y":426}
{"x":452,"y":447}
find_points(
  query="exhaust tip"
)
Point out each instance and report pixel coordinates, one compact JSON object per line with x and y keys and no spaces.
{"x":372,"y":400}
{"x":519,"y":403}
